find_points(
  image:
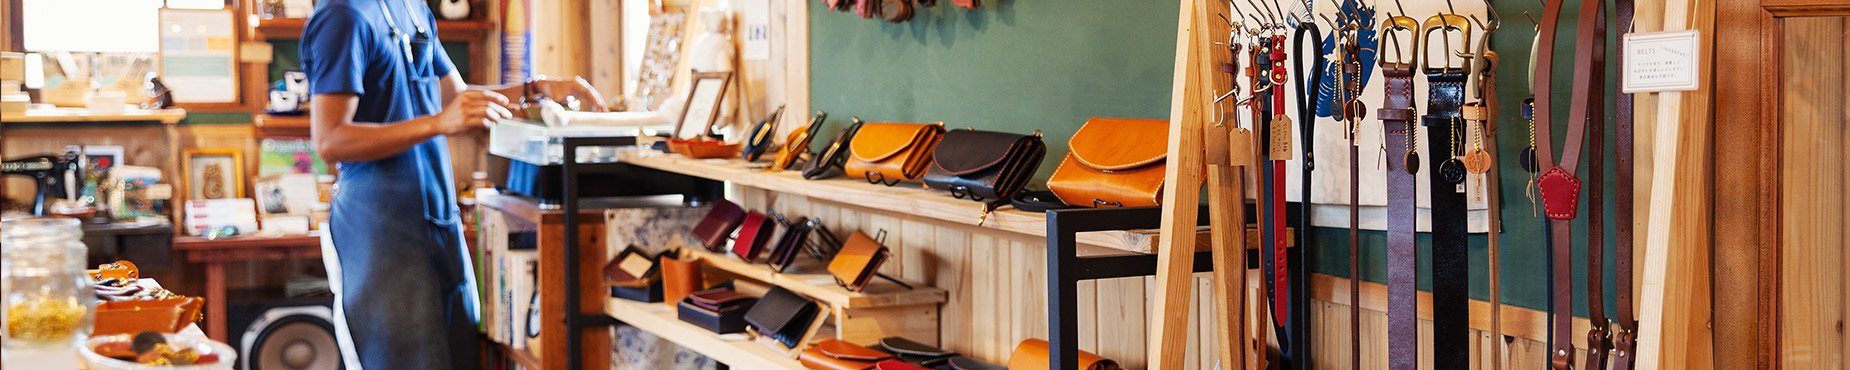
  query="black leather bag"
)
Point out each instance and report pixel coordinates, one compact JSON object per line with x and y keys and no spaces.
{"x":829,"y":162}
{"x":984,"y":165}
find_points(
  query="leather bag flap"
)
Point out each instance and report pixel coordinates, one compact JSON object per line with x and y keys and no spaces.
{"x":965,"y":151}
{"x":876,"y":142}
{"x":848,"y":351}
{"x":1113,"y":144}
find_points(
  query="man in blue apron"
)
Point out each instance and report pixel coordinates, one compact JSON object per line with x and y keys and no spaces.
{"x":385,"y":97}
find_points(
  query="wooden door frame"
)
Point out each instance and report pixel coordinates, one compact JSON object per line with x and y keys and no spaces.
{"x":1747,"y":186}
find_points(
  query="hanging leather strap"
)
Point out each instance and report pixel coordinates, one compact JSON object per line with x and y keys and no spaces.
{"x":1277,"y":268}
{"x":1560,"y":189}
{"x":1451,"y":250}
{"x":1348,"y":90}
{"x":1486,"y":66}
{"x":1625,"y":341}
{"x":1397,"y":116}
{"x":1307,"y":136}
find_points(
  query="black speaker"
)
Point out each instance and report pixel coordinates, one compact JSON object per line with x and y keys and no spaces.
{"x":290,"y":334}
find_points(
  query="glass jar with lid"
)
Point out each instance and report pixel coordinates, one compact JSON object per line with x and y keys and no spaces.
{"x":48,"y":300}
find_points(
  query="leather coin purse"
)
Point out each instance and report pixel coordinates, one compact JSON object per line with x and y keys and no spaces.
{"x":713,"y":230}
{"x":828,"y":162}
{"x":785,"y":251}
{"x":759,"y":139}
{"x":835,"y":354}
{"x":858,"y":261}
{"x":632,"y":268}
{"x":1114,"y":162}
{"x":783,"y":316}
{"x":753,"y":236}
{"x":797,"y":144}
{"x":984,"y":165}
{"x":887,"y":153}
{"x":1032,"y":354}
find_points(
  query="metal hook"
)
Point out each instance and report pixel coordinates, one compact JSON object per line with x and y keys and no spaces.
{"x":1403,"y":10}
{"x":1449,"y":8}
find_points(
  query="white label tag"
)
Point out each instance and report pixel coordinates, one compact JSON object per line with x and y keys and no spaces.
{"x":1460,"y":188}
{"x":1661,"y":61}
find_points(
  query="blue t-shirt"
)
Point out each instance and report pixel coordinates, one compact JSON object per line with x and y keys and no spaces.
{"x":387,"y":52}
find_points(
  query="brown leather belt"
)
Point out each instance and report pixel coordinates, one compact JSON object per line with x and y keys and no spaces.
{"x":1560,"y":189}
{"x":1625,"y":340}
{"x":1397,"y":119}
{"x":1348,"y":94}
{"x":1486,"y":65}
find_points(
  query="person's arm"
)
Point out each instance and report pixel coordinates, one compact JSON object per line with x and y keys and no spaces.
{"x":541,"y":86}
{"x":338,"y":138}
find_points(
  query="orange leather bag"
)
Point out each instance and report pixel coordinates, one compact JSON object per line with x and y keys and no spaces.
{"x":1114,"y":162}
{"x":887,"y":153}
{"x":1032,"y":355}
{"x":834,"y":354}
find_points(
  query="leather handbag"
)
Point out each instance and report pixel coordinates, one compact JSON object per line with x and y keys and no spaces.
{"x":797,"y":144}
{"x":887,"y":153}
{"x":785,"y":251}
{"x":753,"y":235}
{"x":760,"y":140}
{"x":828,"y":162}
{"x":713,"y":230}
{"x":983,"y":165}
{"x":835,"y":354}
{"x":632,"y":268}
{"x":1114,"y":162}
{"x":783,"y":316}
{"x":1032,"y":355}
{"x":858,"y":261}
{"x":679,"y":278}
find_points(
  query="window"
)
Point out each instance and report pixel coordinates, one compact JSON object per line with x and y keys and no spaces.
{"x":74,"y":25}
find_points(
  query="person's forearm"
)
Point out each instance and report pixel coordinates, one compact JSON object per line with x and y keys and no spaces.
{"x":350,"y":142}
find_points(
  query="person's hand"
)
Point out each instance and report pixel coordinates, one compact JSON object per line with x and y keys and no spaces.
{"x":472,"y":110}
{"x":576,"y":87}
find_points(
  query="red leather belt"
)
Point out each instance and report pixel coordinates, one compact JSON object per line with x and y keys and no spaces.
{"x":1272,"y":219}
{"x":1397,"y":115}
{"x":1559,"y":188}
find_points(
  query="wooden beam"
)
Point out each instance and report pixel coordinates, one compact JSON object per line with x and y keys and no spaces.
{"x":1674,"y":278}
{"x":1168,"y":332}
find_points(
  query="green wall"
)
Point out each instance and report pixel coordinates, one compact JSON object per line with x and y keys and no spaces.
{"x":1024,"y":65}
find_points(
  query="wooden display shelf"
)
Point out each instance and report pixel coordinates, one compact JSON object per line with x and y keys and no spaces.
{"x":523,"y":357}
{"x":291,"y":28}
{"x":273,"y":125}
{"x":808,"y":278}
{"x":660,"y":319}
{"x":164,"y":116}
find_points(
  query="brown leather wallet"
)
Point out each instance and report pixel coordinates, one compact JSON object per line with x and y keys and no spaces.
{"x":679,"y":278}
{"x":1032,"y":355}
{"x":835,"y":354}
{"x":887,"y":153}
{"x":1114,"y":162}
{"x":632,"y":268}
{"x":984,"y":165}
{"x":857,"y":262}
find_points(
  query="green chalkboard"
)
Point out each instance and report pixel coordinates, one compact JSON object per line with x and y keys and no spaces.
{"x":1023,"y":65}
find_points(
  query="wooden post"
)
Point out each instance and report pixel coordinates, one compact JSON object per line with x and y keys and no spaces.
{"x":1674,"y":298}
{"x":1182,"y":179}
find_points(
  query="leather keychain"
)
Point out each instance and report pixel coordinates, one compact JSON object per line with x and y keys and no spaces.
{"x":1451,"y":249}
{"x":1397,"y":115}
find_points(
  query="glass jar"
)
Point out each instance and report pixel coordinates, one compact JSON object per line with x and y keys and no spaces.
{"x":48,"y":299}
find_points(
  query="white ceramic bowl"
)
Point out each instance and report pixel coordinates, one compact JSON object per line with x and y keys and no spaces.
{"x":226,"y":356}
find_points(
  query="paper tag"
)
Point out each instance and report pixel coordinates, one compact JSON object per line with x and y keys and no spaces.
{"x":1240,"y":146}
{"x":1280,"y":147}
{"x":1662,"y":61}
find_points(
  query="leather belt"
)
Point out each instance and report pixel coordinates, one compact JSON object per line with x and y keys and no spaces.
{"x":1307,"y":129}
{"x":1451,"y":271}
{"x":1560,"y":189}
{"x":1348,"y":92}
{"x":1277,"y":127}
{"x":1625,"y":340}
{"x":1397,"y":115}
{"x":1485,"y":66}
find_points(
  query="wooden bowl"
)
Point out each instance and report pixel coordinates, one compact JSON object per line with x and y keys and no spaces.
{"x":163,"y":315}
{"x":704,"y":148}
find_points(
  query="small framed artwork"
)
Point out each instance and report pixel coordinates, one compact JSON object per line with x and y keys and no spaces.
{"x":214,"y":173}
{"x":703,"y":103}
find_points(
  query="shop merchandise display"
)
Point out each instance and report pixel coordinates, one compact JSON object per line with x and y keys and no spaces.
{"x":984,"y":165}
{"x":759,"y":138}
{"x":1113,"y":162}
{"x":857,"y":262}
{"x":887,"y":153}
{"x":754,"y":234}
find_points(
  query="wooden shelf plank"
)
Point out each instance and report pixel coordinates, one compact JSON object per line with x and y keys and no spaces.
{"x":273,"y":125}
{"x":521,"y":356}
{"x":165,"y":116}
{"x":808,"y":278}
{"x":660,"y":320}
{"x":291,"y":28}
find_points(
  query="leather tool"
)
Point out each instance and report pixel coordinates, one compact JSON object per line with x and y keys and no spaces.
{"x":1559,"y":188}
{"x":1307,"y":130}
{"x":1397,"y":59}
{"x":1625,"y":341}
{"x":1451,"y":249}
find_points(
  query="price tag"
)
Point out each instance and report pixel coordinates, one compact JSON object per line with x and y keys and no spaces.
{"x":1662,"y":61}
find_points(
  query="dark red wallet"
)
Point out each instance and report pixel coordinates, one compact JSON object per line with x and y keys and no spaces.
{"x":713,"y":230}
{"x":753,"y":235}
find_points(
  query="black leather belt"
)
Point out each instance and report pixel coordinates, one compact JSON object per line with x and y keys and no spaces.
{"x":1451,"y":250}
{"x":1397,"y":115}
{"x":1307,"y":130}
{"x":1625,"y":341}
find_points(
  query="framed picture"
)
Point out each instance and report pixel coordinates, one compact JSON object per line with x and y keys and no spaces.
{"x":213,"y":173}
{"x":703,"y":102}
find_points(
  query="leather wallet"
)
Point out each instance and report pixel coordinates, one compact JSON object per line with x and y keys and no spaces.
{"x":887,"y":153}
{"x":712,"y":231}
{"x":753,"y":235}
{"x":1032,"y":355}
{"x":828,"y":162}
{"x":982,"y":165}
{"x":785,"y":251}
{"x":835,"y":354}
{"x":783,"y":316}
{"x":857,"y":262}
{"x":1114,"y":162}
{"x":897,"y":365}
{"x":797,"y":143}
{"x":759,"y":139}
{"x":914,"y":352}
{"x":720,"y":299}
{"x":679,"y":278}
{"x":721,"y":322}
{"x":632,"y":268}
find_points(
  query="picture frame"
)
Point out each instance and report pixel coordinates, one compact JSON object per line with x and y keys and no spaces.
{"x":704,"y":98}
{"x":213,"y":173}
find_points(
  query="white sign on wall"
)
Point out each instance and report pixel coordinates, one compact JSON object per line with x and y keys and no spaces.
{"x":1662,"y":61}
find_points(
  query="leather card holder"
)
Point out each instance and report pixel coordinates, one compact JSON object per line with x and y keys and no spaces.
{"x":754,"y":233}
{"x":719,"y":223}
{"x":782,"y":312}
{"x":632,"y":268}
{"x":857,"y":262}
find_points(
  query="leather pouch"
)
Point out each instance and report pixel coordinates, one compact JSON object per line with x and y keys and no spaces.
{"x":983,"y":165}
{"x":835,"y":354}
{"x":828,"y":163}
{"x":887,"y":153}
{"x":1114,"y":162}
{"x":761,"y":137}
{"x":720,"y":300}
{"x":1032,"y":355}
{"x":914,"y":352}
{"x":966,"y":363}
{"x":788,"y":244}
{"x":782,"y":315}
{"x":712,"y":231}
{"x":857,"y":262}
{"x":797,"y":144}
{"x":679,"y":278}
{"x":753,"y":236}
{"x":721,"y":322}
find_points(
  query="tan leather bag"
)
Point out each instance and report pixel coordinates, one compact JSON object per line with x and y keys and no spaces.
{"x":835,"y":354}
{"x":1032,"y":355}
{"x":887,"y":153}
{"x":1114,"y":162}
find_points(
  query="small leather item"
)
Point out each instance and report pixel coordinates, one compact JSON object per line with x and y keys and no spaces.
{"x":713,"y":230}
{"x":679,"y":278}
{"x":632,"y":268}
{"x":731,"y":320}
{"x":966,"y":363}
{"x":835,"y":354}
{"x":857,"y":262}
{"x":896,"y":11}
{"x":828,"y":163}
{"x":967,"y":4}
{"x":867,"y":8}
{"x":1560,"y":194}
{"x":887,"y":153}
{"x":719,"y":299}
{"x":760,"y":137}
{"x":785,"y":251}
{"x":1397,"y":126}
{"x":1037,"y":201}
{"x":1114,"y":162}
{"x":903,"y":346}
{"x":797,"y":144}
{"x":896,"y":365}
{"x":782,"y":315}
{"x":1032,"y":355}
{"x":754,"y":234}
{"x":983,"y":165}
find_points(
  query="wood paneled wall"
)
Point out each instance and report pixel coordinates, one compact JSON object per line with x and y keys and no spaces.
{"x":1812,"y":260}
